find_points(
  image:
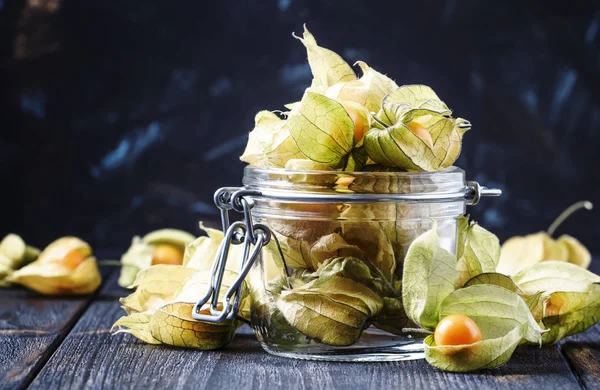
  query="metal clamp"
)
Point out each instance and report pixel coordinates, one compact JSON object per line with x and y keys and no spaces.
{"x":255,"y":236}
{"x":252,"y":236}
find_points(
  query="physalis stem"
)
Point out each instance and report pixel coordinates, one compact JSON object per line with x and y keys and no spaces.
{"x":567,"y":213}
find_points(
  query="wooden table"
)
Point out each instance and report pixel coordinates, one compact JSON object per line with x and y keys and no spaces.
{"x":65,"y":343}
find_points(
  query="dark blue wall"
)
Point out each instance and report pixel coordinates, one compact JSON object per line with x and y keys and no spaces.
{"x":118,"y":117}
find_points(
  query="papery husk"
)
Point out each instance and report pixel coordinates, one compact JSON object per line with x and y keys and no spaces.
{"x":155,"y":286}
{"x":139,"y":256}
{"x":14,"y":254}
{"x":578,"y":254}
{"x":393,"y":143}
{"x":173,"y":324}
{"x":48,"y":275}
{"x":52,"y":278}
{"x":518,"y":253}
{"x":159,"y":311}
{"x":270,"y":144}
{"x":301,"y":229}
{"x":322,"y":318}
{"x":60,"y":248}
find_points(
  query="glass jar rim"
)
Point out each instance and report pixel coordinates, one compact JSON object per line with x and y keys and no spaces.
{"x":284,"y":171}
{"x":451,"y":179}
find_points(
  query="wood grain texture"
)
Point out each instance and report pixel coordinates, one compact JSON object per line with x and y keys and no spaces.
{"x":583,"y":352}
{"x":92,"y":358}
{"x":22,"y":355}
{"x":32,"y":326}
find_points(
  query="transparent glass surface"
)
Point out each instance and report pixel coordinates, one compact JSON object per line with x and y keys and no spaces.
{"x":328,"y":284}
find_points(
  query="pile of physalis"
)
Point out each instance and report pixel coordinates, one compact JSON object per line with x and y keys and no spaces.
{"x":477,"y":315}
{"x":348,"y":123}
{"x":64,"y":267}
{"x":476,"y":305}
{"x":159,"y":311}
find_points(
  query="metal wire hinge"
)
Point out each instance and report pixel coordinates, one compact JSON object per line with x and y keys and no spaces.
{"x":252,"y":236}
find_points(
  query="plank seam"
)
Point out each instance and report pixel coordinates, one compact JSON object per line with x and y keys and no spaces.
{"x":571,"y":366}
{"x":55,"y":345}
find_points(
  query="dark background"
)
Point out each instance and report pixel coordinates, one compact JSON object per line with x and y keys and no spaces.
{"x":119,"y":117}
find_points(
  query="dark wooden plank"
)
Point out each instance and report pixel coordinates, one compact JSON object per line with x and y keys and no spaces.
{"x":22,"y":355}
{"x":31,"y":328}
{"x":90,"y":357}
{"x":583,"y":350}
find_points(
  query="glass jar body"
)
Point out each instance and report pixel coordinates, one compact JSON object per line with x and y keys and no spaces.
{"x":328,"y":284}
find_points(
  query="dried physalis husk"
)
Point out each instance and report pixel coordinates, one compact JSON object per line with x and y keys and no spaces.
{"x":14,"y":254}
{"x":478,"y":251}
{"x":323,"y":130}
{"x":571,"y":297}
{"x":578,"y":254}
{"x":331,"y":309}
{"x":160,"y":310}
{"x":368,"y":91}
{"x":270,"y":144}
{"x":519,"y":253}
{"x":172,"y":324}
{"x":305,"y":221}
{"x":66,"y":266}
{"x":164,"y":246}
{"x":415,"y":131}
{"x":154,"y":287}
{"x":503,"y":318}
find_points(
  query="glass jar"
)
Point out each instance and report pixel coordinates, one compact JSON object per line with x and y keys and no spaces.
{"x":327,"y":285}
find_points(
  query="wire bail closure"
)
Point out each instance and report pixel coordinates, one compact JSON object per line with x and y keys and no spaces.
{"x":252,"y":236}
{"x":255,"y":236}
